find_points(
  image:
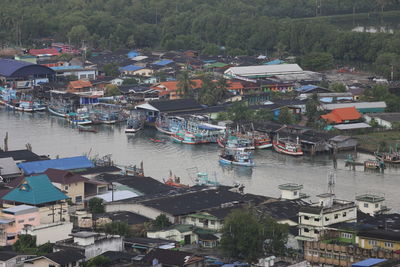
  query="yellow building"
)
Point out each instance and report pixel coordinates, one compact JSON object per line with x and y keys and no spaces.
{"x":379,"y":239}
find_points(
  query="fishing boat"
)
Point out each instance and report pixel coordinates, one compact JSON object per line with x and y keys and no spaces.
{"x":374,"y":164}
{"x":285,"y":146}
{"x":189,"y":138}
{"x":239,"y":157}
{"x":59,"y":111}
{"x":261,"y":141}
{"x":169,"y":124}
{"x":25,"y":106}
{"x":83,"y":128}
{"x":78,"y":119}
{"x":203,"y":180}
{"x":235,"y":142}
{"x":102,"y":113}
{"x":174,"y":181}
{"x":388,"y":157}
{"x":133,"y":125}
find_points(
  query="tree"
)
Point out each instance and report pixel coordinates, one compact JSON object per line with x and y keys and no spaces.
{"x":96,"y":205}
{"x":263,"y":115}
{"x":185,"y":84}
{"x":285,"y":116}
{"x":276,"y":236}
{"x":112,"y":90}
{"x":25,"y":244}
{"x":161,"y":222}
{"x":78,"y":33}
{"x":117,"y":228}
{"x":242,"y":236}
{"x":98,"y":261}
{"x":111,"y":69}
{"x":317,"y":61}
{"x":240,"y":111}
{"x":337,"y":87}
{"x":388,"y":65}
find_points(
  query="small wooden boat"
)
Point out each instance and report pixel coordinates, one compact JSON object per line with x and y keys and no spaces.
{"x":174,"y":181}
{"x":287,"y":147}
{"x":388,"y":157}
{"x":239,"y":157}
{"x":189,"y":138}
{"x":157,"y":140}
{"x":82,"y":128}
{"x":374,"y":164}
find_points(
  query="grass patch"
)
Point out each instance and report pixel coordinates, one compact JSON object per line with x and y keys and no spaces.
{"x":378,"y":140}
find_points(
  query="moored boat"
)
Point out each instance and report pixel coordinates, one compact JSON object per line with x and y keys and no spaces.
{"x":82,"y":128}
{"x":261,"y":141}
{"x":287,"y":147}
{"x":239,"y":157}
{"x":374,"y":164}
{"x":388,"y":157}
{"x":133,"y":125}
{"x":25,"y":106}
{"x":235,"y":142}
{"x":78,"y":119}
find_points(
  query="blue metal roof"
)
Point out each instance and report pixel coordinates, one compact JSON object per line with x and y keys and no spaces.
{"x":17,"y":68}
{"x":133,"y":54}
{"x":131,"y":68}
{"x":33,"y":167}
{"x":67,"y":68}
{"x":306,"y":88}
{"x":368,"y":262}
{"x":163,"y":62}
{"x":275,"y":62}
{"x":35,"y":190}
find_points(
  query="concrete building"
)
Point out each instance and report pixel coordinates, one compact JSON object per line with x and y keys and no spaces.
{"x":50,"y":232}
{"x":82,"y":73}
{"x":8,"y":169}
{"x":262,"y":71}
{"x":315,"y":218}
{"x":179,"y":233}
{"x":91,"y":244}
{"x":64,"y":258}
{"x":371,"y":204}
{"x":291,"y":191}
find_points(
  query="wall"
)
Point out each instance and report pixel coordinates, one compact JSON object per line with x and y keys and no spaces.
{"x":50,"y":232}
{"x":143,"y":72}
{"x":106,"y":244}
{"x":42,"y":262}
{"x":46,"y":213}
{"x":73,"y":190}
{"x":371,"y":207}
{"x":173,"y":235}
{"x":20,"y":220}
{"x":198,"y":223}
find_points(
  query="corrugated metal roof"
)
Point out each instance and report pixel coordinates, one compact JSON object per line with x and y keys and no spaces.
{"x":163,"y":62}
{"x":35,"y":190}
{"x":352,"y":126}
{"x":357,"y":105}
{"x":264,"y":70}
{"x":14,"y":68}
{"x":131,"y":68}
{"x":8,"y":166}
{"x":368,"y":262}
{"x":79,"y":162}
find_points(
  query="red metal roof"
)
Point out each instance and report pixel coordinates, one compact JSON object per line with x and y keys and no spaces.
{"x":46,"y":51}
{"x":340,"y":115}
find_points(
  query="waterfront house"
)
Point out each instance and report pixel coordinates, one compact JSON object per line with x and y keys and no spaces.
{"x":80,"y":86}
{"x":343,"y":142}
{"x":371,"y":204}
{"x":386,"y":120}
{"x":90,"y":244}
{"x":72,"y":163}
{"x":165,"y":257}
{"x":67,"y":258}
{"x":13,"y":220}
{"x":133,"y":70}
{"x":38,"y":191}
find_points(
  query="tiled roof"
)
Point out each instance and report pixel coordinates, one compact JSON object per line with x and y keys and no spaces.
{"x":64,"y":177}
{"x":173,"y":85}
{"x":80,"y":84}
{"x":342,"y":114}
{"x":35,"y":190}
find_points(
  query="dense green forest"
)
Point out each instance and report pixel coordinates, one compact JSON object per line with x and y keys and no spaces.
{"x":236,"y":26}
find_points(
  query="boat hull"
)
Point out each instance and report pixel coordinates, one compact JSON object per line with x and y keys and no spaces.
{"x":236,"y":163}
{"x":55,"y":113}
{"x":263,"y":146}
{"x":278,"y":149}
{"x":23,"y":109}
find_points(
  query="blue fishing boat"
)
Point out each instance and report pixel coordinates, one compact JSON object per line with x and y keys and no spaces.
{"x":239,"y":157}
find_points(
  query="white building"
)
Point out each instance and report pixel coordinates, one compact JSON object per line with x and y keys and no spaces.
{"x":371,"y":204}
{"x":263,"y":71}
{"x":291,"y":191}
{"x":313,"y":219}
{"x":178,"y":233}
{"x":51,"y":232}
{"x":384,"y":119}
{"x":91,"y":244}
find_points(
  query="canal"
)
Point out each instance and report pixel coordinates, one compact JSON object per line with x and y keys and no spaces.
{"x":52,"y":136}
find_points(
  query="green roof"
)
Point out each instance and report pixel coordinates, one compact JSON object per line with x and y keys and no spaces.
{"x":35,"y":190}
{"x":215,"y":65}
{"x":203,"y":216}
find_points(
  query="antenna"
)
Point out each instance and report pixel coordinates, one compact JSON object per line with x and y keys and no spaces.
{"x":331,"y":182}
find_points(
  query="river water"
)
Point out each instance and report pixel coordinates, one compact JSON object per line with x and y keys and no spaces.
{"x":52,"y":136}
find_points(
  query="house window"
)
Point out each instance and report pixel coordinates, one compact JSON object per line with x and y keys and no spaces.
{"x":326,"y":219}
{"x":316,"y":219}
{"x":344,"y":214}
{"x":212,"y":222}
{"x":336,"y":216}
{"x":31,"y":219}
{"x":388,"y":245}
{"x":90,"y":76}
{"x":347,"y":235}
{"x":78,"y":199}
{"x":66,"y":187}
{"x":306,"y":230}
{"x":295,"y":193}
{"x":21,"y":221}
{"x":372,"y":242}
{"x":11,"y":237}
{"x":193,"y":219}
{"x":306,"y":218}
{"x":365,"y":205}
{"x":376,"y":205}
{"x":316,"y":232}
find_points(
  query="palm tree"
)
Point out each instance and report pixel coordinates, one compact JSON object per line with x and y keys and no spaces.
{"x":185,"y":84}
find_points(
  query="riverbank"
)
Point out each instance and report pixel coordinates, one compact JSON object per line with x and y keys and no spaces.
{"x":372,"y":142}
